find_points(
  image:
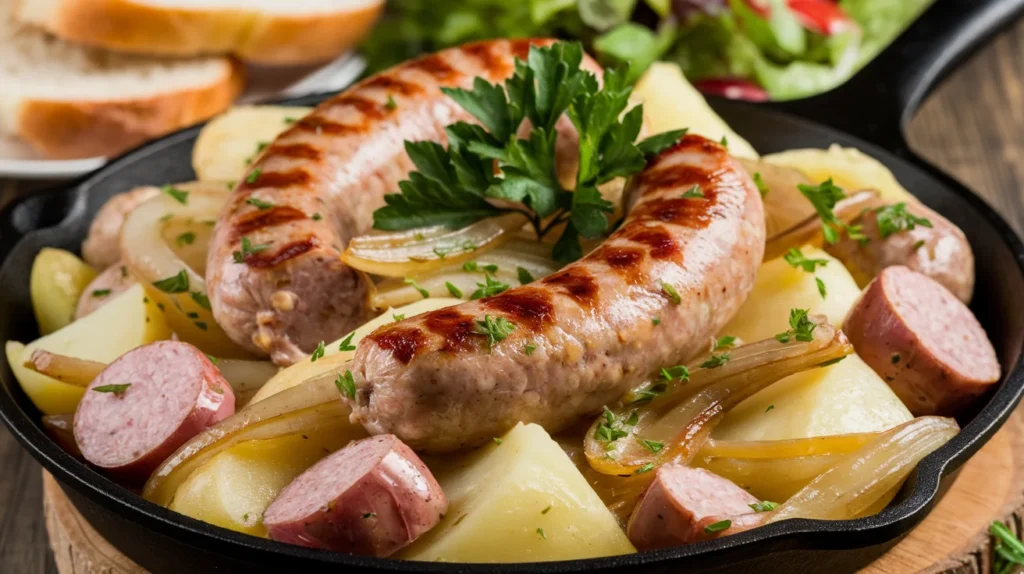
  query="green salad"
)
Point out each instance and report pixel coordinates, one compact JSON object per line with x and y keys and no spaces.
{"x":749,"y":49}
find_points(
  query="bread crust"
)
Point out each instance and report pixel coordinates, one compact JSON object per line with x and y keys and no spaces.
{"x":65,"y":129}
{"x":279,"y":39}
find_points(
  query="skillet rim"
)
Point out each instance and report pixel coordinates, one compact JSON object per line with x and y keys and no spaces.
{"x":797,"y":534}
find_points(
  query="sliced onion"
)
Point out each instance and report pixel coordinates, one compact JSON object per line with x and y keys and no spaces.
{"x":533,"y":256}
{"x":770,"y":479}
{"x":619,"y":493}
{"x":784,"y":205}
{"x":150,"y":259}
{"x":405,"y":254}
{"x":314,"y":404}
{"x":246,"y":377}
{"x":773,"y":449}
{"x":853,"y":486}
{"x":683,"y":417}
{"x":70,"y":370}
{"x":808,"y":231}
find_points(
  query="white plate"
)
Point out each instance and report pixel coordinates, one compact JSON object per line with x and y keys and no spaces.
{"x":18,"y":161}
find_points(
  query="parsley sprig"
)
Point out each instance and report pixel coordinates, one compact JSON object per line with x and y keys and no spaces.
{"x":801,"y":328}
{"x":824,"y":197}
{"x":895,"y":218}
{"x":457,"y":185}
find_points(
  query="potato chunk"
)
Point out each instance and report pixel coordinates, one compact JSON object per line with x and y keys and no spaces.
{"x":850,"y":169}
{"x":126,"y":322}
{"x":227,"y":145}
{"x":56,"y":282}
{"x":518,"y":501}
{"x":847,"y":397}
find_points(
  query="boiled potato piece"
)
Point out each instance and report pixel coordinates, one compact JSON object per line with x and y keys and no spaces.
{"x":56,"y":282}
{"x":226,"y":145}
{"x":848,"y":167}
{"x":334,"y":357}
{"x":234,"y":488}
{"x":518,"y":501}
{"x":672,"y":103}
{"x":847,"y":397}
{"x":127,"y":321}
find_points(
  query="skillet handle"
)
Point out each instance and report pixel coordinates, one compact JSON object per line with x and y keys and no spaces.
{"x":877,"y":103}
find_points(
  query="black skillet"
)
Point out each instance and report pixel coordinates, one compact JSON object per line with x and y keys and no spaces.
{"x":874,"y":107}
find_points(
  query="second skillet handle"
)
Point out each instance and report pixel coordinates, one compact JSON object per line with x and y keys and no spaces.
{"x":878,"y":101}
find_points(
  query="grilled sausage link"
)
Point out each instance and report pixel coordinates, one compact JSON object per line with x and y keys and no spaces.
{"x":672,"y":275}
{"x":317,"y":186}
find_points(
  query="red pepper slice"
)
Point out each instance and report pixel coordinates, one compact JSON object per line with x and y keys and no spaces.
{"x":732,"y":88}
{"x":820,"y":16}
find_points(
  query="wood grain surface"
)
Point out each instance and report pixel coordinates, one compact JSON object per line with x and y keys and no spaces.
{"x":972,"y":127}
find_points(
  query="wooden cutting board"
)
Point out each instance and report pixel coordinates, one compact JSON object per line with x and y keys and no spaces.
{"x":952,"y":539}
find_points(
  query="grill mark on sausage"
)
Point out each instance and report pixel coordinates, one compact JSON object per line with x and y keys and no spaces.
{"x":435,"y":66}
{"x":320,"y":126}
{"x":493,"y":63}
{"x":277,"y":179}
{"x":676,"y":177}
{"x":689,"y":212}
{"x":263,"y":259}
{"x":370,"y":109}
{"x":659,"y":241}
{"x":530,"y":306}
{"x":392,"y":84}
{"x":454,"y":327}
{"x":402,"y":342}
{"x":623,"y":260}
{"x":296,"y":150}
{"x":576,"y":283}
{"x":521,"y":48}
{"x":261,"y":219}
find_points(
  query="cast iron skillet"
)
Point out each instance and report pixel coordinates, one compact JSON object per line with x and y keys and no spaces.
{"x":874,"y":107}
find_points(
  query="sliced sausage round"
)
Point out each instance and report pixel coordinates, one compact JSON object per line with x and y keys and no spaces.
{"x":682,"y":503}
{"x":146,"y":404}
{"x":940,"y":251}
{"x":101,"y":248}
{"x":113,"y":281}
{"x":371,"y":498}
{"x":923,"y":341}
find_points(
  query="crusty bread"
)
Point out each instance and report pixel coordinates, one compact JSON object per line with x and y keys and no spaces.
{"x":277,"y":32}
{"x":67,"y":101}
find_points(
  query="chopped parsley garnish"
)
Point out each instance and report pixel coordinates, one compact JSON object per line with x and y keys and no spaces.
{"x":187,"y":238}
{"x":726,"y":342}
{"x":524,"y":275}
{"x":201,"y":299}
{"x":645,"y":468}
{"x":540,"y":531}
{"x":416,"y":286}
{"x":248,"y":249}
{"x":693,"y":192}
{"x":174,"y":284}
{"x":116,"y":389}
{"x":919,"y":244}
{"x":678,"y":372}
{"x":212,"y":359}
{"x":655,"y":321}
{"x":798,"y":260}
{"x":346,"y":343}
{"x":496,"y":329}
{"x":546,"y":510}
{"x":895,"y":218}
{"x":100,"y":292}
{"x":824,"y":198}
{"x":474,"y":267}
{"x":179,"y":195}
{"x":316,"y":216}
{"x":259,"y":203}
{"x":391,"y":104}
{"x":724,"y":142}
{"x":290,"y":120}
{"x":895,"y":358}
{"x":652,"y":445}
{"x":671,"y":292}
{"x":762,"y":187}
{"x":764,"y":506}
{"x":346,"y":384}
{"x":455,"y":291}
{"x":801,"y":327}
{"x":491,"y":286}
{"x":529,"y":349}
{"x":253,"y":176}
{"x":124,"y":271}
{"x":610,"y":429}
{"x":717,"y":527}
{"x":821,"y":287}
{"x":715,"y":360}
{"x":318,"y":353}
{"x":398,"y":317}
{"x":770,"y":408}
{"x":192,"y":315}
{"x":455,"y":186}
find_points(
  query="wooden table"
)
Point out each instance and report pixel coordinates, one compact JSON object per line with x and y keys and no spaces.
{"x":973,"y":128}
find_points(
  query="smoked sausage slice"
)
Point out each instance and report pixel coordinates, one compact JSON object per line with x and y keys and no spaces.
{"x":923,"y":341}
{"x":682,"y":502}
{"x":371,"y":498}
{"x":145,"y":405}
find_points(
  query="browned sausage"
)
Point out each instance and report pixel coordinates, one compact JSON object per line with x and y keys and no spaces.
{"x":940,"y":252}
{"x":101,"y":247}
{"x":318,"y":185}
{"x":372,"y":498}
{"x":923,"y":341}
{"x":682,"y":502}
{"x":145,"y":405}
{"x":110,"y":283}
{"x":670,"y":277}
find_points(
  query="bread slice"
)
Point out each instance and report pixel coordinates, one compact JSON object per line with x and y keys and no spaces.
{"x":274,"y":32}
{"x":67,"y":101}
